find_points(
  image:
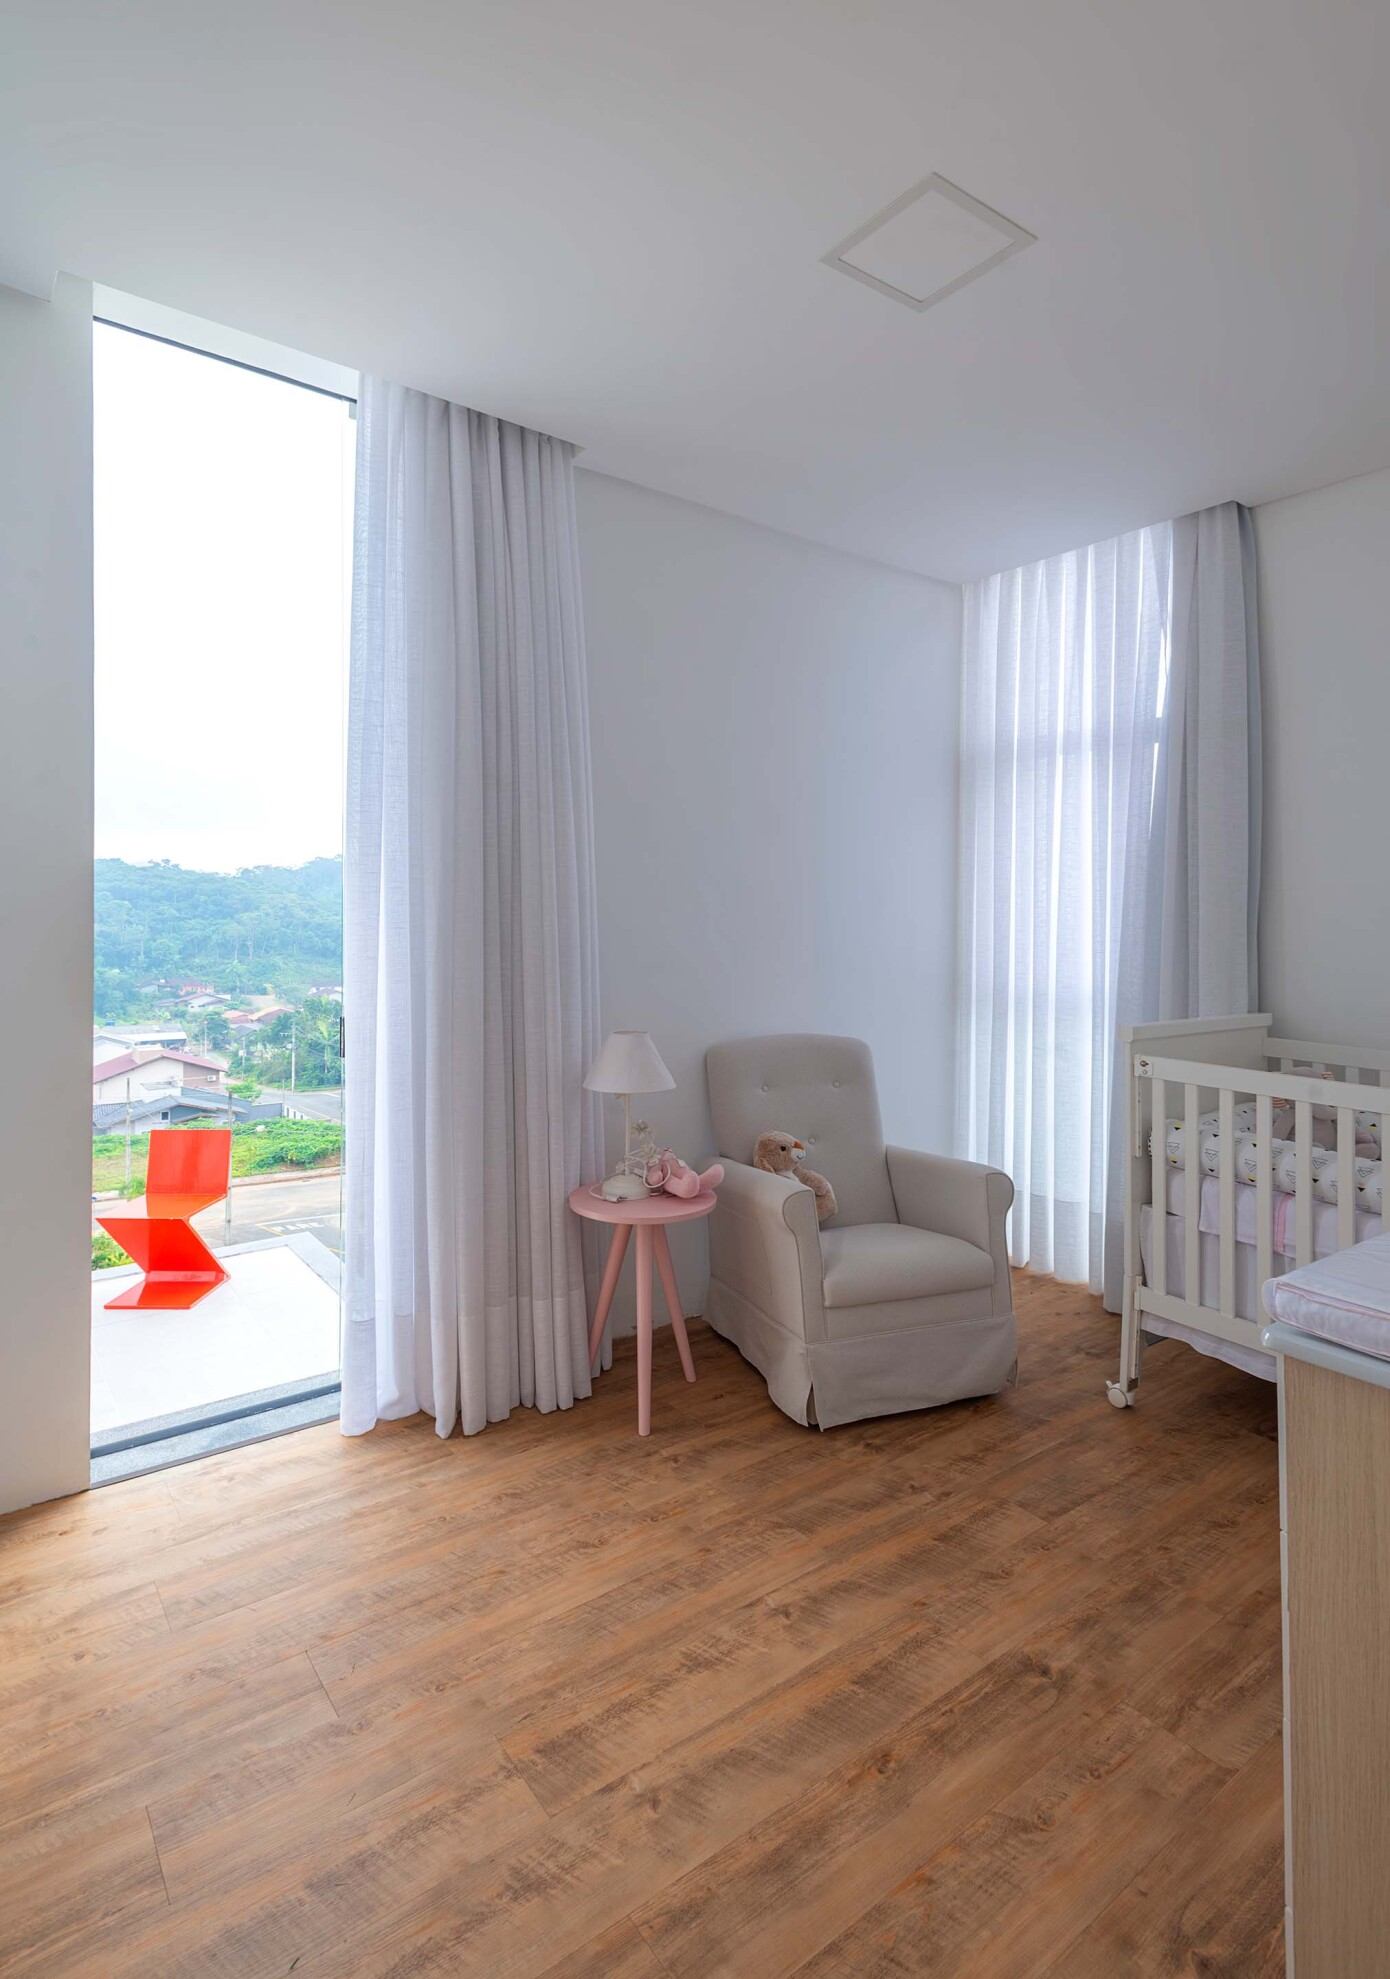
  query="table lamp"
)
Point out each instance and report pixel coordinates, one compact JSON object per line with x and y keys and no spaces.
{"x":628,"y":1063}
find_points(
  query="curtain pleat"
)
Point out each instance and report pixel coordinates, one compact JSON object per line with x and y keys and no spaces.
{"x":1109,"y":825}
{"x":470,"y":943}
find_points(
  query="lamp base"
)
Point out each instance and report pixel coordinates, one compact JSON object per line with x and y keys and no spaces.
{"x":623,"y":1188}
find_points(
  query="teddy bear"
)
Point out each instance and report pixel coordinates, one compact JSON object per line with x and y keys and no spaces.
{"x":780,"y":1154}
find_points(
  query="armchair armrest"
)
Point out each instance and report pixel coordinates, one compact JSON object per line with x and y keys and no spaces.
{"x":765,"y":1246}
{"x":955,"y":1198}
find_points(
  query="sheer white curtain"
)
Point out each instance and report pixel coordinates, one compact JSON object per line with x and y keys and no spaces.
{"x":1109,"y":849}
{"x":470,"y":944}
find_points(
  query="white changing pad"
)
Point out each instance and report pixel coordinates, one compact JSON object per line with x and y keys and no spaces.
{"x":1344,"y":1298}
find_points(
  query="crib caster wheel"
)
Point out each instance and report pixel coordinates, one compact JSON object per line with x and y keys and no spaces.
{"x":1118,"y":1398}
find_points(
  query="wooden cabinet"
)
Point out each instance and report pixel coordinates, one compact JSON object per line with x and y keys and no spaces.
{"x":1335,"y":1497}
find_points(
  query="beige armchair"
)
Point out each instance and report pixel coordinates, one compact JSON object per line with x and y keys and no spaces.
{"x":902,"y":1299}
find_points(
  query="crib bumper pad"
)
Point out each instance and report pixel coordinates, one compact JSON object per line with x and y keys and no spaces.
{"x":1282,"y":1157}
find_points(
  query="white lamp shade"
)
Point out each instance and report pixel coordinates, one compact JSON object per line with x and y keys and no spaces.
{"x":628,"y":1063}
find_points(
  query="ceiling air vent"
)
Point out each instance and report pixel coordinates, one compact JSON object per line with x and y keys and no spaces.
{"x":930,"y":242}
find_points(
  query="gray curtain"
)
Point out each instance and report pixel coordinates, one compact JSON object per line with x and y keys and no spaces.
{"x":1191,"y":923}
{"x":1208,"y":828}
{"x":470,"y":939}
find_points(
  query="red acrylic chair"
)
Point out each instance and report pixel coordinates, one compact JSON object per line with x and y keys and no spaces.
{"x":188,"y":1169}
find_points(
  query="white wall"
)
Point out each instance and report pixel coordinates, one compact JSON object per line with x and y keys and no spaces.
{"x":45,"y":889}
{"x":156,"y":1075}
{"x":1325,"y":651}
{"x":774,"y":738}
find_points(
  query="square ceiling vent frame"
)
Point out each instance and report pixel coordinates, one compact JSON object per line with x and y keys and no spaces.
{"x":1012,"y":239}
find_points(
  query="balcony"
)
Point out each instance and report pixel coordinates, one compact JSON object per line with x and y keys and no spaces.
{"x":258,"y":1355}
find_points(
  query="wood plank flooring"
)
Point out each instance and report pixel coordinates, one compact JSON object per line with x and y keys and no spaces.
{"x":991,"y":1690}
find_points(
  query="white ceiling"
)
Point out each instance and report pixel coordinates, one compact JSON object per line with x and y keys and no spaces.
{"x":605,"y":218}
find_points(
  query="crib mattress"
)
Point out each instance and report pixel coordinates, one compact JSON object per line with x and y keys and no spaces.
{"x":1365,"y":1223}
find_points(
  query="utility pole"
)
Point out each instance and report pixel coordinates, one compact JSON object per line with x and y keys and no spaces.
{"x":227,"y":1200}
{"x":127,"y":1131}
{"x":293,"y":1040}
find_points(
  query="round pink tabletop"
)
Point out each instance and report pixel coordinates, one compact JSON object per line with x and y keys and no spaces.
{"x":660,"y":1208}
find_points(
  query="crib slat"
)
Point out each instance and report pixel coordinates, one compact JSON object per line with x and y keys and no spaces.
{"x":1227,"y":1124}
{"x":1303,"y":1188}
{"x":1191,"y":1198}
{"x":1264,"y":1190}
{"x":1346,"y":1178}
{"x":1158,"y":1195}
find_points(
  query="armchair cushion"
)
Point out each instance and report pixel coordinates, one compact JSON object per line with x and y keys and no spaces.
{"x":868,"y":1263}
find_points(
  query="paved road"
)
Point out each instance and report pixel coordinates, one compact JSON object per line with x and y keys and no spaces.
{"x":324,"y":1105}
{"x":278,"y":1209}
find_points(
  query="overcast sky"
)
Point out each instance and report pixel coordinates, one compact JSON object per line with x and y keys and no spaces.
{"x":223,"y":511}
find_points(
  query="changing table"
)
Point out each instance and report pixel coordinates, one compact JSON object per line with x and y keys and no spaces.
{"x":1330,"y":1327}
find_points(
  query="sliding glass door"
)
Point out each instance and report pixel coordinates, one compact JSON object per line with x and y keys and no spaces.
{"x":222,"y":536}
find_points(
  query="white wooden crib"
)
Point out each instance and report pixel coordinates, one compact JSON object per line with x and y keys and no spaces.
{"x":1198,"y":1245}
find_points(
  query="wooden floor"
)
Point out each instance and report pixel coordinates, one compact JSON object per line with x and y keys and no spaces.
{"x":992,"y":1690}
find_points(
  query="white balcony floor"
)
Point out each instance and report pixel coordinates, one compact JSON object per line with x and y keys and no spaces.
{"x":275,"y":1320}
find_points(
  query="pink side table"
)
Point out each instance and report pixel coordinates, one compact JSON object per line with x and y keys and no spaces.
{"x":648,"y":1217}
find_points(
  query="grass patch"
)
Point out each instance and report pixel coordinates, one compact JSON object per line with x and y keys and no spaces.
{"x":258,"y":1148}
{"x":106,"y":1252}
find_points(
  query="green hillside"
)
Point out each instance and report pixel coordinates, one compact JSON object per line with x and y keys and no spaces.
{"x":267,"y":927}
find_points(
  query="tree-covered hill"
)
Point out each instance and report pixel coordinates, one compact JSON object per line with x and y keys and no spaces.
{"x":276,"y":928}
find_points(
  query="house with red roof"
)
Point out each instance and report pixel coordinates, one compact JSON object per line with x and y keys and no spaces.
{"x":142,"y":1074}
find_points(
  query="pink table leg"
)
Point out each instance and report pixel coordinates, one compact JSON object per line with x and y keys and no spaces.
{"x":673,"y":1301}
{"x":617,"y":1251}
{"x":644,"y":1329}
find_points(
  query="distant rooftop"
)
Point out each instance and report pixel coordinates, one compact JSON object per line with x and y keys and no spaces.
{"x":110,"y":1116}
{"x":137,"y":1033}
{"x":130,"y":1061}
